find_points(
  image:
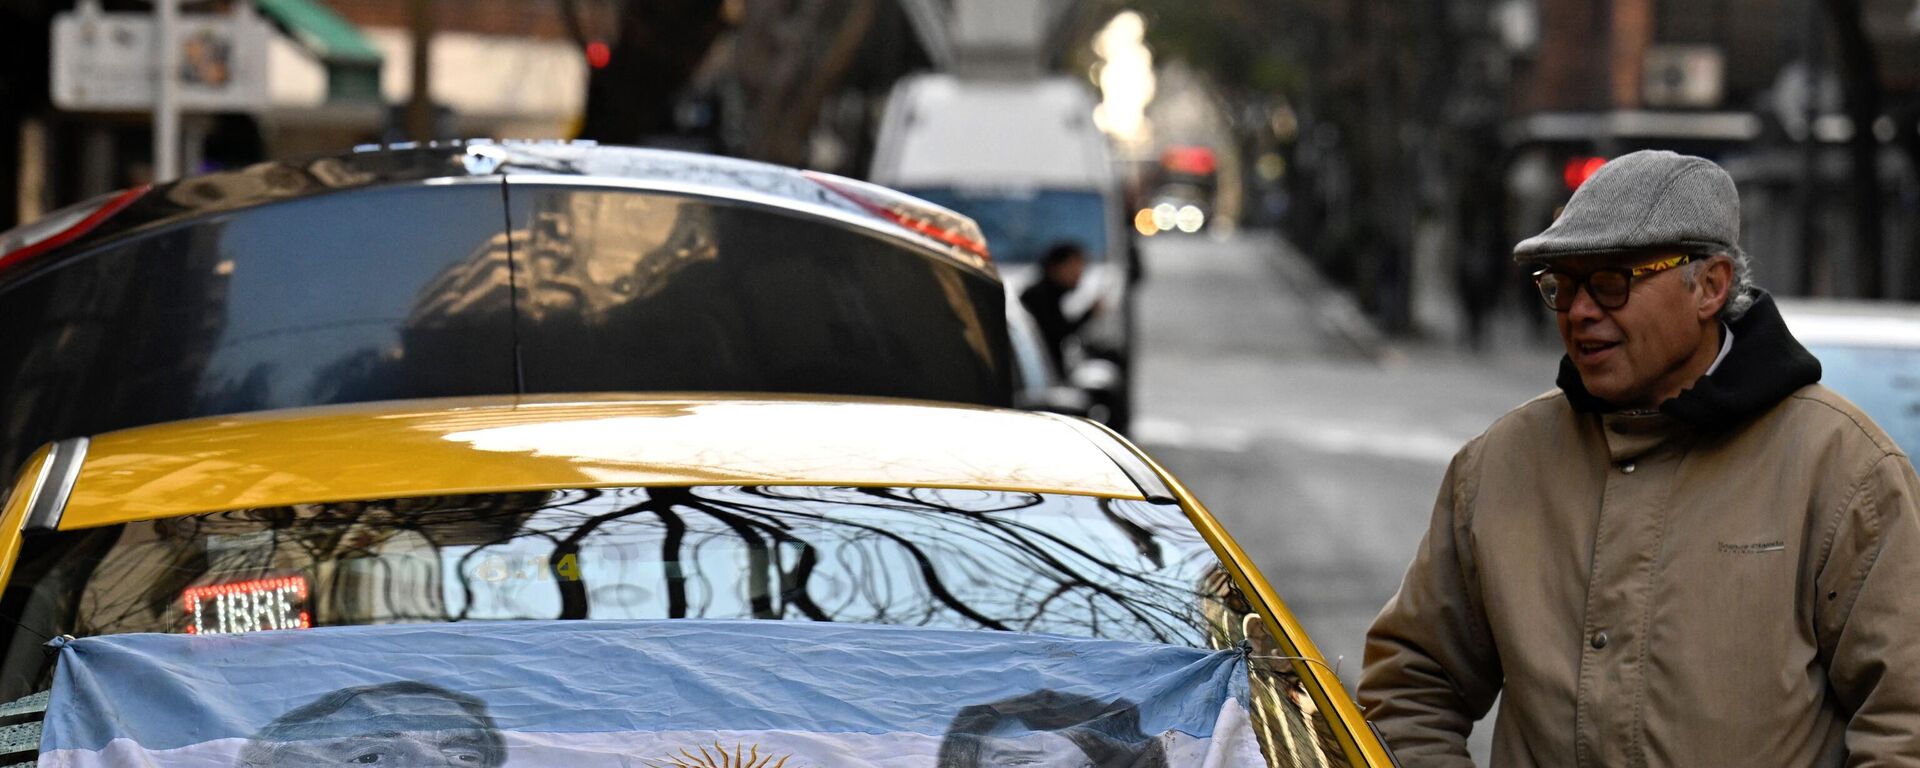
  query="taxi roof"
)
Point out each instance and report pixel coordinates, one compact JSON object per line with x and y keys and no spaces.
{"x":492,"y":444}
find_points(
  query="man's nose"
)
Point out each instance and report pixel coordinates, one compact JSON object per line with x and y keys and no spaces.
{"x":1584,"y":307}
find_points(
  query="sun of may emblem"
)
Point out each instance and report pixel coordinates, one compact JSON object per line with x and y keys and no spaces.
{"x":742,"y":756}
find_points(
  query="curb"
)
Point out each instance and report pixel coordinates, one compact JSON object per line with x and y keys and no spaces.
{"x":1335,"y":313}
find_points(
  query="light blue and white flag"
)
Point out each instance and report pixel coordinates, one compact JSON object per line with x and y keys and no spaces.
{"x":650,"y":694}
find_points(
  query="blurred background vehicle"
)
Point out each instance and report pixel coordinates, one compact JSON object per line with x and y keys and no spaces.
{"x":1022,"y":157}
{"x":1869,"y":353}
{"x":1184,"y":184}
{"x":1087,"y":388}
{"x":484,"y":268}
{"x":1173,"y":207}
{"x":1037,"y":383}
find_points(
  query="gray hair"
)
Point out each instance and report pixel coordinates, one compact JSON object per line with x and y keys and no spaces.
{"x":1739,"y":295}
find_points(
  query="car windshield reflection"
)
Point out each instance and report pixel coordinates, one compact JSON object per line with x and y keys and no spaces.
{"x":1071,"y":565}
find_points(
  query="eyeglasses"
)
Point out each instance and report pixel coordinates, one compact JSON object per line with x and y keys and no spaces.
{"x":1609,"y":286}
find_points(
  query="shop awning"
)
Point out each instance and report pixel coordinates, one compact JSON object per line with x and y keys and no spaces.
{"x":352,"y":62}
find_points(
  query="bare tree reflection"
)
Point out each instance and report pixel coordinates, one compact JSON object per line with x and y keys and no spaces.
{"x":914,"y":556}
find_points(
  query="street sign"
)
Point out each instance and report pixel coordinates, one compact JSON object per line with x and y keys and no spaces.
{"x":1686,"y":76}
{"x":105,"y":61}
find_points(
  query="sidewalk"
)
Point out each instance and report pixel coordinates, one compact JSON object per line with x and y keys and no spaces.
{"x":1317,"y":440}
{"x":1243,"y":335}
{"x":1514,"y":345}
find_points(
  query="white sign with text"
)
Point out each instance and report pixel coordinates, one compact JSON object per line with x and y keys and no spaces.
{"x":105,"y":61}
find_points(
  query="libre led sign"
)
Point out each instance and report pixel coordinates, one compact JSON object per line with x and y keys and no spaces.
{"x":247,"y":606}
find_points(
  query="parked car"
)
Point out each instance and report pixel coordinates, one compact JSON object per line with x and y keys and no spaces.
{"x":483,"y":268}
{"x":422,"y":537}
{"x":1870,"y":353}
{"x":1090,"y":387}
{"x":1023,"y":158}
{"x":1037,"y":383}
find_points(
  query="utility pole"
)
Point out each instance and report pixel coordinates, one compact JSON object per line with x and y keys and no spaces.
{"x":1860,"y":85}
{"x":166,"y":99}
{"x":420,"y":104}
{"x":1812,"y":258}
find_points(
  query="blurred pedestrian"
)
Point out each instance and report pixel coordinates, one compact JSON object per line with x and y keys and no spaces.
{"x":1690,"y":554}
{"x":1060,"y":270}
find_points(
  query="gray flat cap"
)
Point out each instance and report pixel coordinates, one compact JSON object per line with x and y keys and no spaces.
{"x":1646,"y":200}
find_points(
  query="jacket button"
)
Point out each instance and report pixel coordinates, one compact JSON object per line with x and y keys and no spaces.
{"x":1627,"y":467}
{"x":1599,"y":640}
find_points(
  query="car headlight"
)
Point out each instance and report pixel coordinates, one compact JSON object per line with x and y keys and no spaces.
{"x":1189,"y":218}
{"x":1163,"y":216}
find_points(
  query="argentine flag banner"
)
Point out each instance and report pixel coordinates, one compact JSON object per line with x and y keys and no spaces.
{"x":645,"y":694}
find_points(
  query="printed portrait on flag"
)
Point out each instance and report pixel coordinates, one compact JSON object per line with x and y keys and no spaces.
{"x":683,"y":693}
{"x":1052,"y":729}
{"x":399,"y":724}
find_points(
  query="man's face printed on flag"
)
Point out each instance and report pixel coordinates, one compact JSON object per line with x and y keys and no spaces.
{"x":394,"y":725}
{"x":1050,"y":729}
{"x":393,"y":749}
{"x":1042,"y":749}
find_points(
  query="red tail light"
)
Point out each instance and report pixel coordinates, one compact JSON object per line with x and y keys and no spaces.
{"x":27,"y":241}
{"x":1579,"y":169}
{"x":912,"y":213}
{"x":1192,"y":161}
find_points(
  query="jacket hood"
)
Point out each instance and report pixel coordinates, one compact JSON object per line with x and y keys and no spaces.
{"x":1765,"y":365}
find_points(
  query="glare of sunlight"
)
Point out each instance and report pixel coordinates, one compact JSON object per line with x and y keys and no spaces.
{"x":1125,"y":74}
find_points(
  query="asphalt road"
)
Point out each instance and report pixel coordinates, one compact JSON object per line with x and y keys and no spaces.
{"x":1319,"y":444}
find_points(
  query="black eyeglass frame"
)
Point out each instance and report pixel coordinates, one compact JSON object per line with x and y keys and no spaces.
{"x":1608,"y":297}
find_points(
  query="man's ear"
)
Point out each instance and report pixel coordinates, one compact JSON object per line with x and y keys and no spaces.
{"x":1713,"y":284}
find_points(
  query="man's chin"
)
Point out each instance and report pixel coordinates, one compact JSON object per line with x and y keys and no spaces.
{"x":1601,"y":386}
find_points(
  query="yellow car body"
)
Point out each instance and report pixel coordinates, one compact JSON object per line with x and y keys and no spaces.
{"x":493,"y":444}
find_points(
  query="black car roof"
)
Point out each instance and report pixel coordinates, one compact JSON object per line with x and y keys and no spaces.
{"x":558,"y":162}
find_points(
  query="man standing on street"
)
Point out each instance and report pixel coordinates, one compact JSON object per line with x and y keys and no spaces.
{"x":1060,"y":270}
{"x":1690,"y":553}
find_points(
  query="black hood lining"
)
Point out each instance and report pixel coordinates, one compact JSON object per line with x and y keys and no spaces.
{"x":1765,"y":365}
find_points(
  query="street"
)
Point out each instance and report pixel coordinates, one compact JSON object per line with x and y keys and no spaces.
{"x":1317,"y":444}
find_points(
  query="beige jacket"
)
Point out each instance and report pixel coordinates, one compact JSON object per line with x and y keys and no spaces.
{"x":1642,"y":591}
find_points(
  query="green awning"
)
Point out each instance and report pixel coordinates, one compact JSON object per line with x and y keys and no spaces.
{"x":353,"y":64}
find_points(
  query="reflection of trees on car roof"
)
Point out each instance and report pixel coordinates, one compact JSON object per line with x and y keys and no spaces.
{"x":970,"y":559}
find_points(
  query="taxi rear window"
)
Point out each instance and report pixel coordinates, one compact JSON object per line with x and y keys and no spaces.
{"x":1028,"y":562}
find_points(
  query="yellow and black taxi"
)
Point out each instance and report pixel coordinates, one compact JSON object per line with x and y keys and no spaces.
{"x":839,"y":580}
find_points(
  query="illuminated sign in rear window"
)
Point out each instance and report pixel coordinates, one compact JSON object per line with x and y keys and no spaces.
{"x":278,"y":602}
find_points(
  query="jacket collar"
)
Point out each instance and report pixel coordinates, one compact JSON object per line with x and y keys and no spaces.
{"x":1765,"y":366}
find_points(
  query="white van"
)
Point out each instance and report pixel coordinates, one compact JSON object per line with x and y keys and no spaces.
{"x":1023,"y":158}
